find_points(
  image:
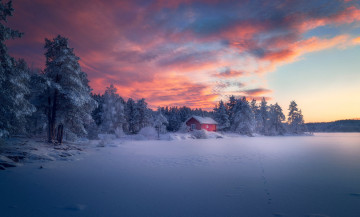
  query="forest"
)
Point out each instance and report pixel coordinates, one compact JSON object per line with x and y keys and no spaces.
{"x":335,"y":126}
{"x":57,"y":102}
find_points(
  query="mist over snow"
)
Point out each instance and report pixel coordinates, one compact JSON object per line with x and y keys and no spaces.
{"x":234,"y":176}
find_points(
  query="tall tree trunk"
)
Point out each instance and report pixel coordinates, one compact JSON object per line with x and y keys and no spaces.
{"x":60,"y":130}
{"x":53,"y":116}
{"x":49,"y":119}
{"x":52,"y":113}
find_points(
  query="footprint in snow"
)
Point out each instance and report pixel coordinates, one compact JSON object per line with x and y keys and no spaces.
{"x":236,"y":192}
{"x":355,"y":194}
{"x":278,"y":215}
{"x":317,"y":215}
{"x":74,"y":207}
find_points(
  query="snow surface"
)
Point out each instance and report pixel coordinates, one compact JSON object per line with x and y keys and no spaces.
{"x":234,"y":176}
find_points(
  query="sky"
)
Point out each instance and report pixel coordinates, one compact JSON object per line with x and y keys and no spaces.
{"x":197,"y":52}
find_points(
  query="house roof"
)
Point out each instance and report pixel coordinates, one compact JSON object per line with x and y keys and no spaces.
{"x":203,"y":120}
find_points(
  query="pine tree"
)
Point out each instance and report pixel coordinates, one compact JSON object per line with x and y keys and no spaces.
{"x":39,"y":84}
{"x":113,"y":117}
{"x":256,"y":111}
{"x":276,"y":118}
{"x":160,"y":123}
{"x":97,"y":112}
{"x":69,"y":103}
{"x":184,"y":114}
{"x":263,"y":117}
{"x":230,"y":106}
{"x":14,"y":81}
{"x":131,"y":114}
{"x":174,"y":119}
{"x":295,"y":119}
{"x":144,"y":115}
{"x":244,"y":119}
{"x":221,"y":116}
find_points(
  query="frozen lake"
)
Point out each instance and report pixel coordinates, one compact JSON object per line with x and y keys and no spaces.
{"x":313,"y":176}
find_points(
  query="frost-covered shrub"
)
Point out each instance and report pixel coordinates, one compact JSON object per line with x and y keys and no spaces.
{"x":105,"y":139}
{"x":148,"y":132}
{"x":106,"y":136}
{"x":70,"y":135}
{"x":92,"y":131}
{"x":138,"y":137}
{"x":199,"y":134}
{"x":184,"y":128}
{"x":2,"y":141}
{"x":119,"y":132}
{"x":3,"y":133}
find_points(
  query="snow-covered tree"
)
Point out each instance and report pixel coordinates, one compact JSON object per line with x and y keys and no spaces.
{"x":256,"y":110}
{"x":263,"y":116}
{"x":174,"y":119}
{"x":295,"y":119}
{"x":160,"y":123}
{"x":39,"y":85}
{"x":97,"y":112}
{"x":69,"y":103}
{"x":199,"y":112}
{"x":221,"y":116}
{"x":14,"y":81}
{"x":276,"y":118}
{"x":131,"y":115}
{"x":244,"y":119}
{"x":184,"y":113}
{"x":144,"y":116}
{"x":230,"y":106}
{"x":113,"y":116}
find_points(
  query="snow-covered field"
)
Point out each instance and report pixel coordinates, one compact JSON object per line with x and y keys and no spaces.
{"x":234,"y":176}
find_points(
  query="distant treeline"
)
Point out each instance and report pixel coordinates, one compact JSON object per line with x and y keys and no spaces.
{"x":335,"y":126}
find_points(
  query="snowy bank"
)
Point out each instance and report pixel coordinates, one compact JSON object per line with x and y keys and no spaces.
{"x":17,"y":151}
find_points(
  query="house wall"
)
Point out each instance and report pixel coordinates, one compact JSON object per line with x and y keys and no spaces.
{"x":209,"y":127}
{"x":193,"y":121}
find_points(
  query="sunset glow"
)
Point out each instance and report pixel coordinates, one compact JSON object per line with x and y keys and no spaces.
{"x":197,"y":52}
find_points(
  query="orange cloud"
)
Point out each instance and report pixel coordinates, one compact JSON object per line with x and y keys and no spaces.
{"x":170,"y":90}
{"x":272,"y":60}
{"x":349,"y":15}
{"x":257,"y":91}
{"x":228,"y":73}
{"x":356,"y":40}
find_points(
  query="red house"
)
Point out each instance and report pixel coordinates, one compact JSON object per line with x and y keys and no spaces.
{"x":198,"y":123}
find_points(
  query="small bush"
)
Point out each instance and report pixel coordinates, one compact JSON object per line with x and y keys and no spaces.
{"x":148,"y":132}
{"x":199,"y":134}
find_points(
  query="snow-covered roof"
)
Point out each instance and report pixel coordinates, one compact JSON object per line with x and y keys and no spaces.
{"x":203,"y":120}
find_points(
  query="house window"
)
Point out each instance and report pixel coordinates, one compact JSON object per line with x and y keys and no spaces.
{"x":193,"y":126}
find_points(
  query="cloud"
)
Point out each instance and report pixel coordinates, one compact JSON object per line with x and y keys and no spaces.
{"x":274,"y":59}
{"x":228,"y":73}
{"x":257,"y":91}
{"x":133,"y":56}
{"x":356,"y":40}
{"x":171,"y":49}
{"x":226,"y":87}
{"x":172,"y":90}
{"x":187,"y":58}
